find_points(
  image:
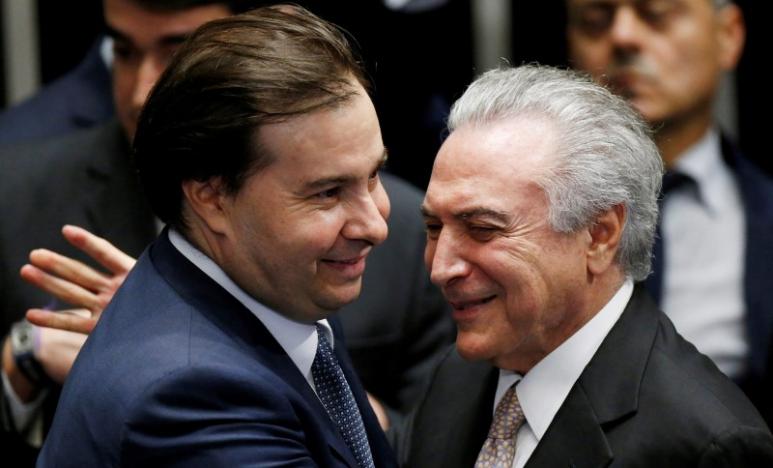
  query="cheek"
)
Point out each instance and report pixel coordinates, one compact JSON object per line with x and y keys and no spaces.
{"x":123,"y":84}
{"x":320,"y":230}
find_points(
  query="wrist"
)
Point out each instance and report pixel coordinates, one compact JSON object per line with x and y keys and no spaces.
{"x":24,"y":389}
{"x":25,"y":344}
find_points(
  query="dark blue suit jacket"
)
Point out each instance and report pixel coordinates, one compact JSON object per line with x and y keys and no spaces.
{"x":80,"y":99}
{"x":179,"y":373}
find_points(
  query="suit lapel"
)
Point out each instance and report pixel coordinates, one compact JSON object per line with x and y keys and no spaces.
{"x":454,"y":418}
{"x":607,"y":391}
{"x":574,"y":438}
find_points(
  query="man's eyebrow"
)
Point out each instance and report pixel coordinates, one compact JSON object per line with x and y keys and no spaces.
{"x":172,"y":39}
{"x":340,"y":180}
{"x":481,"y":212}
{"x":478,"y":212}
{"x":426,"y":212}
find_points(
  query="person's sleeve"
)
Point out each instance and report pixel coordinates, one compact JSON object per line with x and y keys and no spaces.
{"x":743,"y":446}
{"x":203,"y":419}
{"x":17,"y":414}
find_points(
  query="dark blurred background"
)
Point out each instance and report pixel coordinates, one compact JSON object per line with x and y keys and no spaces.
{"x":419,"y":61}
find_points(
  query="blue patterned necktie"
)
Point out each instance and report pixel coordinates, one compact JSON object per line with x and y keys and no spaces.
{"x":337,"y":398}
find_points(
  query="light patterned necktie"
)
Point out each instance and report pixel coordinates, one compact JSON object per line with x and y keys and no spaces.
{"x":499,"y":449}
{"x":337,"y":398}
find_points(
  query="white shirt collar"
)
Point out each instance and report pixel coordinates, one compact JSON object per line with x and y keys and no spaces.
{"x":544,"y":388}
{"x":703,"y":162}
{"x":297,"y":339}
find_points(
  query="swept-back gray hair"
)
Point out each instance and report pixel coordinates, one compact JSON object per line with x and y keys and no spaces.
{"x":605,"y":153}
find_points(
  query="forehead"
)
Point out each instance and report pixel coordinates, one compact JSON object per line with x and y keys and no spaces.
{"x":131,"y":20}
{"x":325,"y":142}
{"x":492,"y":164}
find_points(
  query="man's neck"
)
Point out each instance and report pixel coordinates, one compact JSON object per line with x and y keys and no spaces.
{"x":675,"y":137}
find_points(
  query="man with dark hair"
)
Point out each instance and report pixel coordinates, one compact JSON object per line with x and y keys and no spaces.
{"x":394,"y":331}
{"x":261,"y":149}
{"x":82,"y":98}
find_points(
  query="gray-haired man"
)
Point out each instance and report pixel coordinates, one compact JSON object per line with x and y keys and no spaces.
{"x":540,"y":214}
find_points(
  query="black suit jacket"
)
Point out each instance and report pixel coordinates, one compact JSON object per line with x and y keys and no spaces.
{"x":180,"y":373}
{"x":646,"y":399}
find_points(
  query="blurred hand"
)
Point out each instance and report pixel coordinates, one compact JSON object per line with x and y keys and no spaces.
{"x":57,"y":350}
{"x":378,"y":408}
{"x":75,"y":283}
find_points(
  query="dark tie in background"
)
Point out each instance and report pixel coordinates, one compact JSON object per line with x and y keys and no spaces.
{"x":337,"y":398}
{"x":672,"y":180}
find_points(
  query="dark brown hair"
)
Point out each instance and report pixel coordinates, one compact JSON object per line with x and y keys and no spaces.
{"x":229,"y":78}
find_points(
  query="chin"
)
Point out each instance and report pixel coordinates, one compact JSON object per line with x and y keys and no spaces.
{"x":472,"y":348}
{"x":338,"y":299}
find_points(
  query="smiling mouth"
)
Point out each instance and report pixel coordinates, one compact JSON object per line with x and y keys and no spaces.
{"x":463,"y":305}
{"x":349,"y":261}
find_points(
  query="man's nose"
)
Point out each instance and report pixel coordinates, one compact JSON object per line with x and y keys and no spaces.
{"x":444,"y":261}
{"x":148,"y":72}
{"x":368,"y":218}
{"x":628,"y":29}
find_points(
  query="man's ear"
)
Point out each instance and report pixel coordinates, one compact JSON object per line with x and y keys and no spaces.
{"x":208,"y":201}
{"x":731,"y":35}
{"x":605,"y":235}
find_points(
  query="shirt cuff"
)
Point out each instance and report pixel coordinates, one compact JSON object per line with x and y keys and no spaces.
{"x":21,"y":413}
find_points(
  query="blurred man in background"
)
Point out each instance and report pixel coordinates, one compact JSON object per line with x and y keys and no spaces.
{"x":713,"y":258}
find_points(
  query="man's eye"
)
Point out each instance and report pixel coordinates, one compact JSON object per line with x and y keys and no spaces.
{"x":593,"y":20}
{"x":482,"y":232}
{"x":122,"y":51}
{"x":373,"y":179}
{"x":657,"y":13}
{"x":329,"y":193}
{"x":433,"y":230}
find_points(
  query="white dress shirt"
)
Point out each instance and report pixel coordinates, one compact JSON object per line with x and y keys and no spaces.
{"x":544,"y":388}
{"x":297,"y":339}
{"x":704,"y":242}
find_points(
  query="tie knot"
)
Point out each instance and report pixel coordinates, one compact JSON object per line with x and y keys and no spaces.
{"x":508,"y":416}
{"x":673,"y":180}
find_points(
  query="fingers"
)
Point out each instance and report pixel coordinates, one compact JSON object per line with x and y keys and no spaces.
{"x":69,"y":269}
{"x":75,"y":320}
{"x":99,"y":249}
{"x":64,"y":289}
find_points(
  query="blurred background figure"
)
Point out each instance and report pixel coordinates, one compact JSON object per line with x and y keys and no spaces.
{"x":420,"y":53}
{"x":713,"y":261}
